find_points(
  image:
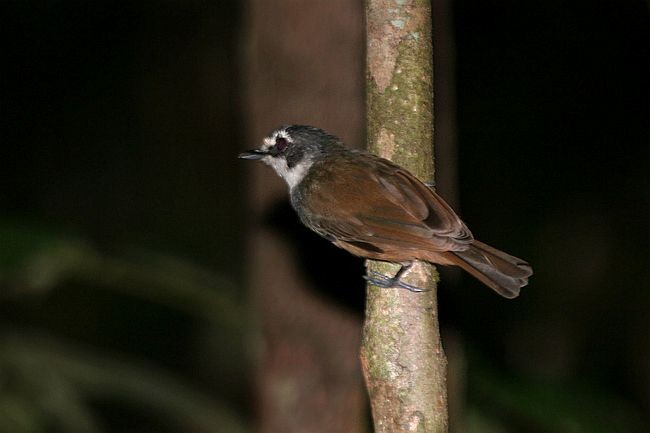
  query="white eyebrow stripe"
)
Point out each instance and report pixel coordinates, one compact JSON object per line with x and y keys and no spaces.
{"x":270,"y":140}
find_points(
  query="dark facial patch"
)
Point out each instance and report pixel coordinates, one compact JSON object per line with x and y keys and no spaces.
{"x":294,"y":156}
{"x":279,"y":147}
{"x":281,"y":144}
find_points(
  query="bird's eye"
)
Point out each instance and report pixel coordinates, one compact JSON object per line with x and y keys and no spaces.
{"x":281,"y":143}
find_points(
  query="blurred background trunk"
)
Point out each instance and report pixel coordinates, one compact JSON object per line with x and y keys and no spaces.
{"x":303,"y":65}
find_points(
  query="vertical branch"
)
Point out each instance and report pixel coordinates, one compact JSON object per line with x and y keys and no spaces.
{"x":402,"y":357}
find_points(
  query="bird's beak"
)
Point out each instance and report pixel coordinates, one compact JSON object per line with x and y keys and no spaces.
{"x":253,"y":154}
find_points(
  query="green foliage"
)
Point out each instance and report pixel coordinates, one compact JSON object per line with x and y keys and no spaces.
{"x":500,"y":402}
{"x":48,"y":383}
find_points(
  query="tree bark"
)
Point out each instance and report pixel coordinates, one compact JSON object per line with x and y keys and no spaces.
{"x":402,"y":357}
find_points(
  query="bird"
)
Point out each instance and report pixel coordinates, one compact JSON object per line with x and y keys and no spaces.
{"x":375,"y":209}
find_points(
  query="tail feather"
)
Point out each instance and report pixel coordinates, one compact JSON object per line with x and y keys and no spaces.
{"x":502,"y":272}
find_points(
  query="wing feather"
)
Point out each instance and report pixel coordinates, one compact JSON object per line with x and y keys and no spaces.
{"x":389,"y":209}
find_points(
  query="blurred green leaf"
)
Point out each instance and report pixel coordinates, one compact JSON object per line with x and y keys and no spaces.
{"x":59,"y":379}
{"x":551,"y":406}
{"x":46,"y":385}
{"x":34,"y":262}
{"x":18,"y":242}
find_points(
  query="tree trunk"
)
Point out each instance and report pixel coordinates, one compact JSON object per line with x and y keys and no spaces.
{"x":303,"y":65}
{"x":402,"y":357}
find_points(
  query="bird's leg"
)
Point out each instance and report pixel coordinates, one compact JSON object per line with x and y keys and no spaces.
{"x":385,"y":282}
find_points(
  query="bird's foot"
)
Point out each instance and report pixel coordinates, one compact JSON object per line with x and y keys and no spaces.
{"x":385,"y":282}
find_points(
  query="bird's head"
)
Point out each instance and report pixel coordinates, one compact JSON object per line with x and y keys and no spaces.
{"x":291,"y":150}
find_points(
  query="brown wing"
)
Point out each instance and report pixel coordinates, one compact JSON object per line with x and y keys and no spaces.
{"x":375,"y":205}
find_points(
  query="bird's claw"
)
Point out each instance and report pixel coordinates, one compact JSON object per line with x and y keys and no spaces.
{"x":384,"y":282}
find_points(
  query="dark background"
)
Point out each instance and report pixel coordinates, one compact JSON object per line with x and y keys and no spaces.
{"x":123,"y":215}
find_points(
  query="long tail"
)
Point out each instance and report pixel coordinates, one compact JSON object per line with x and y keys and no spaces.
{"x":503,"y":273}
